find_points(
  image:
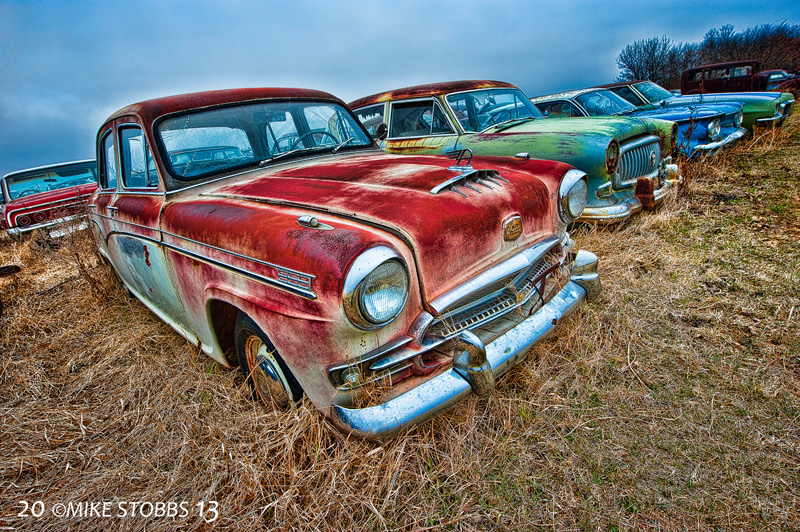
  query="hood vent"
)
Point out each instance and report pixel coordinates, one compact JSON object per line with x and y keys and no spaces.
{"x":468,"y":179}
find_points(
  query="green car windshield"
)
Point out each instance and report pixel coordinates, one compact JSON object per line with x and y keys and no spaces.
{"x":653,"y":92}
{"x":479,"y":109}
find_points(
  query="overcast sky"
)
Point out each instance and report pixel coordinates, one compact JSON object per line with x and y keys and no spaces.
{"x":66,"y":65}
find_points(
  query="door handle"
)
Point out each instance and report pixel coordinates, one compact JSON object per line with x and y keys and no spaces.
{"x":112,"y":210}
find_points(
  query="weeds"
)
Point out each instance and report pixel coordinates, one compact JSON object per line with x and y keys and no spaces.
{"x":670,"y":403}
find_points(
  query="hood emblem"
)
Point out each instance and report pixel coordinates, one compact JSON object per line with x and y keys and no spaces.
{"x":460,"y":156}
{"x":512,"y":228}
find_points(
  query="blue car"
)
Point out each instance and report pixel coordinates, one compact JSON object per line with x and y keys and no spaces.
{"x":702,"y":128}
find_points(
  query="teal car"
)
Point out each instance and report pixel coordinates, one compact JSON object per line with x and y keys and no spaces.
{"x":759,"y":109}
{"x":627,"y":160}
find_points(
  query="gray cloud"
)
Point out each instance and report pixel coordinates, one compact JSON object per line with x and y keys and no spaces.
{"x":65,"y":66}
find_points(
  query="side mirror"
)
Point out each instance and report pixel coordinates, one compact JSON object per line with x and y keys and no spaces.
{"x":381,"y":131}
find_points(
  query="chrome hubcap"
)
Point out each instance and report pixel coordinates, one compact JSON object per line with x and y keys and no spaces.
{"x":270,"y":382}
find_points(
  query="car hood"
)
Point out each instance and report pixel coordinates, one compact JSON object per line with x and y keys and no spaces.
{"x":742,"y":97}
{"x":688,"y":112}
{"x":52,"y":198}
{"x":452,"y":237}
{"x":618,"y":127}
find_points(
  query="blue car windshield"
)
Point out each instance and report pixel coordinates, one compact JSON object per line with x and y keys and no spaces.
{"x":604,"y":103}
{"x":479,"y":109}
{"x":653,"y":92}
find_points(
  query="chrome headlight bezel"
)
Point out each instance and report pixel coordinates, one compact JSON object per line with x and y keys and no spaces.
{"x":714,"y":129}
{"x":574,"y":187}
{"x":612,"y":156}
{"x":738,"y":118}
{"x":358,"y":278}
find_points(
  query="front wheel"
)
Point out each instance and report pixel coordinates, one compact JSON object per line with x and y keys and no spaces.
{"x":267,"y":375}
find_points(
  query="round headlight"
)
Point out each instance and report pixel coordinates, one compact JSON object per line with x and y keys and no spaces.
{"x":612,"y":156}
{"x":375,"y":288}
{"x":737,"y":119}
{"x":714,"y":129}
{"x":383,"y":292}
{"x":573,"y":194}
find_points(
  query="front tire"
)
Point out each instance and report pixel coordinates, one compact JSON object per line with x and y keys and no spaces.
{"x":267,"y":375}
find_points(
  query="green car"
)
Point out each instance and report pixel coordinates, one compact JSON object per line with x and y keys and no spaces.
{"x":759,"y":109}
{"x":627,"y":160}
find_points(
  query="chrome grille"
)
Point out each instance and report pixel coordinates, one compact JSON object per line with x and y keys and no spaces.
{"x":638,"y":158}
{"x":484,"y":305}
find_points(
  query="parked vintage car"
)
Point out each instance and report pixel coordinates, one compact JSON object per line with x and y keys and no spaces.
{"x":627,"y":160}
{"x":45,"y":197}
{"x":733,"y":76}
{"x":702,"y":128}
{"x":759,"y":109}
{"x":386,"y":288}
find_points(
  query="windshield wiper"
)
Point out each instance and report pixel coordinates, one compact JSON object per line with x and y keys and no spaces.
{"x":624,"y":112}
{"x":263,"y":163}
{"x":509,"y":123}
{"x":345,"y":142}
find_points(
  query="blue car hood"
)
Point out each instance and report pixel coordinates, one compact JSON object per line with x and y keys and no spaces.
{"x":688,"y":112}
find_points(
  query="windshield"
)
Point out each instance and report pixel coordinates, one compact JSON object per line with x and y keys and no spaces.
{"x":209,"y":142}
{"x":653,"y":92}
{"x":604,"y":103}
{"x":479,"y":109}
{"x":53,"y":178}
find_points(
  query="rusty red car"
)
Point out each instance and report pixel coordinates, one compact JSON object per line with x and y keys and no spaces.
{"x":266,"y":227}
{"x":46,"y":197}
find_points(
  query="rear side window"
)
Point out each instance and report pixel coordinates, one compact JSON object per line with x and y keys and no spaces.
{"x":371,"y":117}
{"x":108,"y":162}
{"x":138,"y":168}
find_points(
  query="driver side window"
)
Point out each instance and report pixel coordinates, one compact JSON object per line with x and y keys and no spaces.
{"x":108,"y":163}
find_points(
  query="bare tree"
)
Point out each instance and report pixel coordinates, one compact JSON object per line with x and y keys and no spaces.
{"x":645,"y":59}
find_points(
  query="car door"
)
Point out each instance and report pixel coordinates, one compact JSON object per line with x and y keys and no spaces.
{"x":419,"y":127}
{"x":128,"y":209}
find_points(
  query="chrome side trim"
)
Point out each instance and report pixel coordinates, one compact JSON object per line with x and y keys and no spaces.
{"x":516,"y":263}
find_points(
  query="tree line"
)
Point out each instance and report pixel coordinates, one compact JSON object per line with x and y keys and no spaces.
{"x":661,"y":60}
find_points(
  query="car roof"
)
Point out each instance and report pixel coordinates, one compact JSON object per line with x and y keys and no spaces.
{"x":621,"y":83}
{"x":49,"y":167}
{"x":149,"y":110}
{"x":430,"y":89}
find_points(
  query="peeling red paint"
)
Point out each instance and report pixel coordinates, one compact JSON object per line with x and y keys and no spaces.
{"x":147,"y":257}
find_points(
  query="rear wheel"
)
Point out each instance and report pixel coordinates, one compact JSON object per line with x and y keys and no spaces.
{"x":267,"y":375}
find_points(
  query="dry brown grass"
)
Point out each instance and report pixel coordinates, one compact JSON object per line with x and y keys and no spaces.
{"x":671,"y":403}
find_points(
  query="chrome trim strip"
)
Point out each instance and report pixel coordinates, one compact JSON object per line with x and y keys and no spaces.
{"x":371,"y":355}
{"x":462,"y":179}
{"x":254,"y":276}
{"x":518,"y":262}
{"x":238,"y":255}
{"x":267,"y":280}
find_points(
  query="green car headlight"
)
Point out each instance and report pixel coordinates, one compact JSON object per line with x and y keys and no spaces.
{"x":375,"y":288}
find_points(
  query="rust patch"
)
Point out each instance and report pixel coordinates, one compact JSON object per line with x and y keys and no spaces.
{"x":147,"y":257}
{"x":644,"y":192}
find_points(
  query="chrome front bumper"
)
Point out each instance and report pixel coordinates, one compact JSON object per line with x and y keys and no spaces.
{"x":475,"y":366}
{"x":711,"y":147}
{"x":618,"y":212}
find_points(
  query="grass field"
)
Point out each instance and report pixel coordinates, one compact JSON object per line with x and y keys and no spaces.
{"x":671,"y":403}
